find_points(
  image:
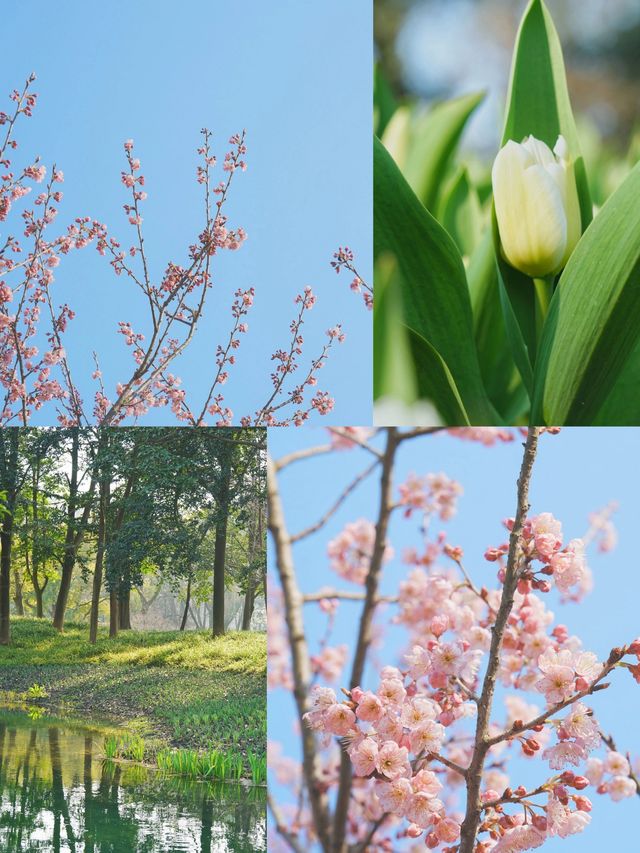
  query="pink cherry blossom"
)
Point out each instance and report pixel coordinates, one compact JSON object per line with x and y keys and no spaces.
{"x":393,"y":760}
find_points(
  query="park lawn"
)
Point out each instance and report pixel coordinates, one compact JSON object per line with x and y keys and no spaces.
{"x":36,"y":641}
{"x":176,"y":689}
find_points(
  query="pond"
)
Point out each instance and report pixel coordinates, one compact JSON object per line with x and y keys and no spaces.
{"x":60,"y":795}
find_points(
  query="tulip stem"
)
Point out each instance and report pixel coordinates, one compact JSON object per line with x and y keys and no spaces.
{"x":544,"y":292}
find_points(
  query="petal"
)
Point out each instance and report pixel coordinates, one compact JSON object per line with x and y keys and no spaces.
{"x":530,"y":212}
{"x":539,"y":150}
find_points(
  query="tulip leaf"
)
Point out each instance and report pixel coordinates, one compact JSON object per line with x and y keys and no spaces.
{"x":384,"y":102}
{"x":538,"y":99}
{"x":435,"y":296}
{"x":593,"y":323}
{"x":460,"y":212}
{"x":434,"y":138}
{"x":501,"y":379}
{"x":622,"y":406}
{"x":519,"y":349}
{"x":435,"y":381}
{"x":393,"y":369}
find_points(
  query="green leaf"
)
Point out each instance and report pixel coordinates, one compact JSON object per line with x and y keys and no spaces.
{"x":435,"y":296}
{"x":460,"y":212}
{"x":384,"y":102}
{"x":435,"y":136}
{"x":435,"y":381}
{"x":538,"y":99}
{"x":593,"y":323}
{"x":622,"y":406}
{"x":501,"y":379}
{"x":393,"y":369}
{"x":517,"y":343}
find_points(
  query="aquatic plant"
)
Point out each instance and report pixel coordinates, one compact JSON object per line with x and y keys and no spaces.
{"x":214,"y":764}
{"x":258,"y":765}
{"x":130,"y":747}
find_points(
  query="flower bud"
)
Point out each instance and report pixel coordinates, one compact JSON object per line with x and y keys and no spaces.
{"x":537,"y":207}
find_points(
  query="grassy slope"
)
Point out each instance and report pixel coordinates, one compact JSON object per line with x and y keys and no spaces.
{"x":180,"y":689}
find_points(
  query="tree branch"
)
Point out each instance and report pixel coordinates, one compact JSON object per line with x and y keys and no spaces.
{"x":301,"y":666}
{"x":366,"y":624}
{"x":469,"y":829}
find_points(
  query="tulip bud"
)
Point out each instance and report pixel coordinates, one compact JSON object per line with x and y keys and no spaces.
{"x":537,"y":207}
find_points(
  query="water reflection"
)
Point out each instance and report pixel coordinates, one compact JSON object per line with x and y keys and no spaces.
{"x":58,"y":795}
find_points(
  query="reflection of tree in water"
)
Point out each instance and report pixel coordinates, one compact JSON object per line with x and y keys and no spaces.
{"x":58,"y":796}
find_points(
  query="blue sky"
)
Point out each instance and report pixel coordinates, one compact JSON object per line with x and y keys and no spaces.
{"x":297,"y":75}
{"x":576,"y":472}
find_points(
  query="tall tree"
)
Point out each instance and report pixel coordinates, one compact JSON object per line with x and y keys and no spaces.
{"x":75,"y":530}
{"x":10,"y":484}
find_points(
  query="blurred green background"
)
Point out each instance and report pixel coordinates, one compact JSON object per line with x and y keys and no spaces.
{"x":431,"y":50}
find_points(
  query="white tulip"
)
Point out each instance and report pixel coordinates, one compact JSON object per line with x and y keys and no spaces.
{"x":537,"y":205}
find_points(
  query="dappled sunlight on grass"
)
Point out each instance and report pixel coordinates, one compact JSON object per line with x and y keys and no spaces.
{"x":36,"y":642}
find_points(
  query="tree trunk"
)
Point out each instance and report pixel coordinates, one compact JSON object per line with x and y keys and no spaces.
{"x":114,"y":613}
{"x":249,"y":603}
{"x":100,"y":549}
{"x":6,"y":543}
{"x":17,"y":596}
{"x":187,"y":605}
{"x":10,"y":486}
{"x":39,"y":608}
{"x":124,"y":611}
{"x":220,"y":551}
{"x":73,"y":537}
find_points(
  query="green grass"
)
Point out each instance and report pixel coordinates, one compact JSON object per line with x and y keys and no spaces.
{"x":35,"y":642}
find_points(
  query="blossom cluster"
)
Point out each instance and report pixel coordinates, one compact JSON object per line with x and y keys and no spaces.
{"x":407,"y":736}
{"x":566,"y":567}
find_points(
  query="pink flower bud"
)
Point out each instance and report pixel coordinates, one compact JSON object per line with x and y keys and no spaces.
{"x":583,"y":804}
{"x":439,"y":625}
{"x":490,"y":795}
{"x":634,"y":648}
{"x":540,"y":822}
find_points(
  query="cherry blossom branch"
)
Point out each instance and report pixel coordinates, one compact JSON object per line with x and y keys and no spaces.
{"x":469,"y":828}
{"x":353,"y":485}
{"x":611,"y":745}
{"x":356,"y":439}
{"x":301,"y":667}
{"x":340,"y":595}
{"x":519,"y":727}
{"x":281,"y":826}
{"x":344,"y":259}
{"x":366,"y":623}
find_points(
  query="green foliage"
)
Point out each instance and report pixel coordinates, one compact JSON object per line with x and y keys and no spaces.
{"x":454,"y":323}
{"x":435,"y":296}
{"x":258,"y":765}
{"x":36,"y":642}
{"x":127,"y":747}
{"x":212,"y":765}
{"x":594,"y":318}
{"x":36,"y":691}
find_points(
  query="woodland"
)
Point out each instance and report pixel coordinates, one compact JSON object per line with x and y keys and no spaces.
{"x":149,"y":527}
